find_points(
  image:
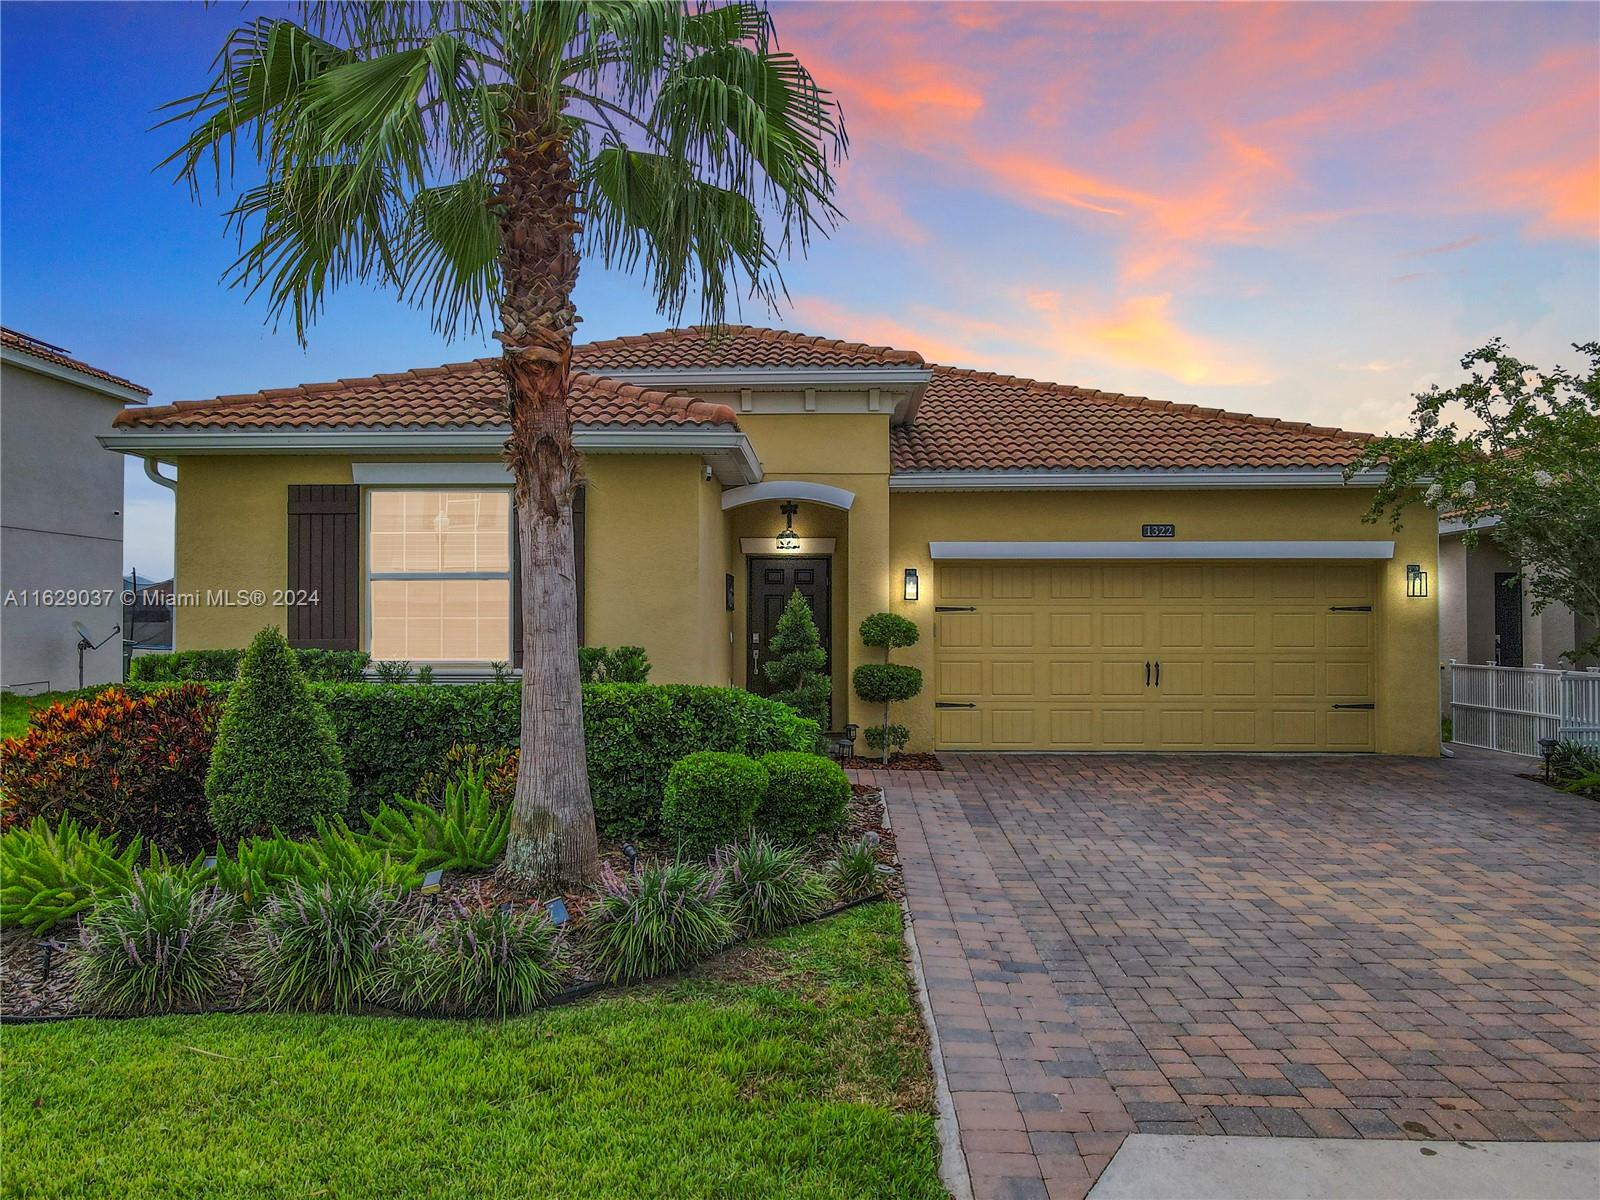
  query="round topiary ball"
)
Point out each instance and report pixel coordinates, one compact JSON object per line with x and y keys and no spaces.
{"x":807,"y":796}
{"x":711,"y":799}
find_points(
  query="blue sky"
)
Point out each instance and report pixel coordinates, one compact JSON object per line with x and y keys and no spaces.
{"x":1308,"y":212}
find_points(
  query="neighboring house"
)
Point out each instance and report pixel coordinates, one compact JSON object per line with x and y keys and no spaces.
{"x":1486,"y":614}
{"x":1089,"y":570}
{"x":60,"y":516}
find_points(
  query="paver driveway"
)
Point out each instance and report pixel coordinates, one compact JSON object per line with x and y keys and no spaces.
{"x":1328,"y":946}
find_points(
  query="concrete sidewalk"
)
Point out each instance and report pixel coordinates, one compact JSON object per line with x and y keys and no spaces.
{"x":1164,"y":1167}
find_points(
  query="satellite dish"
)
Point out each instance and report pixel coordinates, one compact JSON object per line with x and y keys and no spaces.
{"x":82,"y":631}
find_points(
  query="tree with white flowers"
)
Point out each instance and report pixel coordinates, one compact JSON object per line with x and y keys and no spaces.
{"x":1515,"y":450}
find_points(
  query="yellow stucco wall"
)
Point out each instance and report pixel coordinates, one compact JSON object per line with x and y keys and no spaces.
{"x":654,"y":565}
{"x":1407,"y":688}
{"x":659,"y":547}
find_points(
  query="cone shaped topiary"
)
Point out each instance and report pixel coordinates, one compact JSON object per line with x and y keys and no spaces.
{"x":276,"y":763}
{"x":796,"y":667}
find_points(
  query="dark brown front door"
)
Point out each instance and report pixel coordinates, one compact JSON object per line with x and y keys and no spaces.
{"x":772,"y":581}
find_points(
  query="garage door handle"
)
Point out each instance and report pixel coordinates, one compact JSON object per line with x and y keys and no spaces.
{"x":955,"y":608}
{"x":1158,"y":672}
{"x":951,"y":704}
{"x":1350,"y":608}
{"x":1147,"y":673}
{"x":1366,"y":706}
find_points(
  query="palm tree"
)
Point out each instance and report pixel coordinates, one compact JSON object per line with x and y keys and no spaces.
{"x":467,"y":155}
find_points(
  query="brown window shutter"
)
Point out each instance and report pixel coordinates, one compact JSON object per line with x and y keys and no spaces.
{"x":325,"y":561}
{"x":516,"y":575}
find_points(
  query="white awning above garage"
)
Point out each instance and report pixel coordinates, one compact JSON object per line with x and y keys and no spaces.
{"x":1155,"y":548}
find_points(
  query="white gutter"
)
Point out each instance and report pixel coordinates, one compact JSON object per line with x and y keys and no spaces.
{"x":1156,"y":548}
{"x":730,"y":452}
{"x":731,"y":379}
{"x":153,"y":474}
{"x":40,"y":366}
{"x":1029,"y":481}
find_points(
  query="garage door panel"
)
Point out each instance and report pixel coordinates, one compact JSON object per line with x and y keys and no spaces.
{"x":960,"y":677}
{"x":1182,"y":678}
{"x":1011,"y":629}
{"x":1011,"y":678}
{"x":1349,"y":730}
{"x":1072,"y":728}
{"x":1122,"y":629}
{"x":1055,"y":656}
{"x":1072,"y":678}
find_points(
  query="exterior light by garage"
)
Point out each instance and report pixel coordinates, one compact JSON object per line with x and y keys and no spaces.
{"x":788,"y":539}
{"x":1416,"y":580}
{"x":913,"y":586}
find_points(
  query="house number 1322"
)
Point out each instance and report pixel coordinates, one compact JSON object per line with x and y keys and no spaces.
{"x":1158,"y":531}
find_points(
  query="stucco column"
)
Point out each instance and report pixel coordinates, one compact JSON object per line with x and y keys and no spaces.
{"x":869,"y":588}
{"x":1407,"y":689}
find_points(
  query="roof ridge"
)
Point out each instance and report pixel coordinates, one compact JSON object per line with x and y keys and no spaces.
{"x":764,"y":333}
{"x":1126,"y":399}
{"x":43,"y":351}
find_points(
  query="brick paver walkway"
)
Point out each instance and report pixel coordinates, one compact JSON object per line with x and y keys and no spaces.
{"x":1311,"y":947}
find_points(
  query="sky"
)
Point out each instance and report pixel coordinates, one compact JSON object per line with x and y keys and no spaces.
{"x":1308,"y":212}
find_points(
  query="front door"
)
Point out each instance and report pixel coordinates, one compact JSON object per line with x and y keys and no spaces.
{"x":1507,"y":619}
{"x":772,"y":582}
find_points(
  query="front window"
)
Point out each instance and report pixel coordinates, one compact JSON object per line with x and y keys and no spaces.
{"x":439,"y":570}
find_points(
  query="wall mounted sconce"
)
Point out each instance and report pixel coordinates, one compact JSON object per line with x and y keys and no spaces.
{"x":1416,"y":580}
{"x":913,"y":586}
{"x":788,"y":540}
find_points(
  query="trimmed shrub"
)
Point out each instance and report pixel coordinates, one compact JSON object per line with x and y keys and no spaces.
{"x":322,"y":948}
{"x":222,"y":666}
{"x":475,"y":962}
{"x":767,"y":888}
{"x":807,"y":795}
{"x":276,"y":763}
{"x":625,"y":664}
{"x":127,"y":766}
{"x":886,"y":683}
{"x":163,"y":945}
{"x":668,"y":918}
{"x":890,"y":737}
{"x":854,"y":870}
{"x":49,"y":875}
{"x":711,"y":796}
{"x":797,"y":662}
{"x":466,"y":832}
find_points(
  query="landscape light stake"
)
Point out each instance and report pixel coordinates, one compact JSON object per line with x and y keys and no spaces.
{"x":1547,"y":747}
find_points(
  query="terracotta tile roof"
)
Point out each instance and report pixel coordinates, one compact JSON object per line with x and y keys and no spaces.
{"x":458,"y":395}
{"x":13,"y":340}
{"x":700,"y":346}
{"x":977,"y":421}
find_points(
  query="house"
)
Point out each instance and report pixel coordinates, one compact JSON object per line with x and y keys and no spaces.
{"x":1089,"y":570}
{"x":60,"y":517}
{"x":1486,"y":615}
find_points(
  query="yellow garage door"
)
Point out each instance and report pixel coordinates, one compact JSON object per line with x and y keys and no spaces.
{"x":1154,"y":656}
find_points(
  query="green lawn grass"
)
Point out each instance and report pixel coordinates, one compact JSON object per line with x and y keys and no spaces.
{"x":794,"y":1067}
{"x":14,"y":710}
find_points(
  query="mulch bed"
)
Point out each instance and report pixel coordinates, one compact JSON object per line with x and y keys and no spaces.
{"x":897,"y":762}
{"x":34,"y":981}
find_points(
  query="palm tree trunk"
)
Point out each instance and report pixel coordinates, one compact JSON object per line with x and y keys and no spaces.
{"x":552,"y":840}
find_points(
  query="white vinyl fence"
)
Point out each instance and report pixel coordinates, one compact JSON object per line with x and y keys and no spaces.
{"x":1511,"y":708}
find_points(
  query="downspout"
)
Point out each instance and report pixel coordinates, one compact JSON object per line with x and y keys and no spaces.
{"x":153,"y":474}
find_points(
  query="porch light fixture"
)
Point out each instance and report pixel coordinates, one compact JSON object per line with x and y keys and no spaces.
{"x":1416,"y":580}
{"x":912,"y":585}
{"x":788,"y":540}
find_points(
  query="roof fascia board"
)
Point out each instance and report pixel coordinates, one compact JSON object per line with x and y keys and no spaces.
{"x":1449,"y":528}
{"x":1157,"y":549}
{"x":1023,"y":481}
{"x":71,"y":375}
{"x":731,"y":379}
{"x":732,"y":456}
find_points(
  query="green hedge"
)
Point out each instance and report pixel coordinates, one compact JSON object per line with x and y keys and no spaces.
{"x":391,"y":734}
{"x":710,"y":800}
{"x":807,"y":796}
{"x":222,"y":666}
